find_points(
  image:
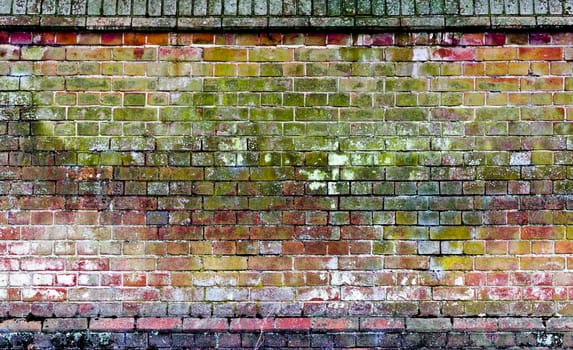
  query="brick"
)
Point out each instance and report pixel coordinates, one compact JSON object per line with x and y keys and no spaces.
{"x":224,"y":54}
{"x":451,"y":233}
{"x":20,"y":325}
{"x":211,"y":324}
{"x":540,"y":53}
{"x":496,"y":263}
{"x":452,"y":262}
{"x":543,"y":232}
{"x":437,"y":324}
{"x":293,"y":324}
{"x":249,"y":324}
{"x":158,"y":324}
{"x":63,"y":324}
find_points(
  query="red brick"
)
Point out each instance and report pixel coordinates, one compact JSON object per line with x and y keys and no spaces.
{"x":543,"y":232}
{"x":9,"y":233}
{"x":4,"y":37}
{"x":21,"y":38}
{"x":227,"y":232}
{"x":181,"y":233}
{"x":293,"y":324}
{"x":453,"y":54}
{"x":111,"y":38}
{"x":545,"y":293}
{"x":499,"y":293}
{"x":338,"y":39}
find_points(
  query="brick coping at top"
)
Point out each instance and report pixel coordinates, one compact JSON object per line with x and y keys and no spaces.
{"x":277,"y":14}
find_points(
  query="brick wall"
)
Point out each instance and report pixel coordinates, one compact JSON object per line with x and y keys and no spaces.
{"x":342,"y":186}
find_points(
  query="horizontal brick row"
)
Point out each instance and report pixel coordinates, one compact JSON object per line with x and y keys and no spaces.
{"x":290,"y":340}
{"x":286,"y":53}
{"x":443,"y":38}
{"x":293,"y":324}
{"x":493,"y":309}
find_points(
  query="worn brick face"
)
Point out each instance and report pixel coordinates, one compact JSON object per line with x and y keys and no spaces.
{"x":156,"y":177}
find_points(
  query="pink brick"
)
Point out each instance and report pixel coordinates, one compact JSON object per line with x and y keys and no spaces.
{"x":157,"y":323}
{"x":20,"y":325}
{"x":453,"y":54}
{"x":112,"y":324}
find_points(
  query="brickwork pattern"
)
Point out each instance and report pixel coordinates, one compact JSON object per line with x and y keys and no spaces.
{"x":326,"y":177}
{"x":286,"y":14}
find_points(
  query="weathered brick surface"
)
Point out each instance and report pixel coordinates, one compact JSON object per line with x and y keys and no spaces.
{"x":352,"y":185}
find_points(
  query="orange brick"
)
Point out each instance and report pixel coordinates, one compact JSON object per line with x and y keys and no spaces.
{"x":407,"y":262}
{"x":496,"y":263}
{"x":542,"y":84}
{"x":540,"y":53}
{"x":539,"y":263}
{"x":496,"y":54}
